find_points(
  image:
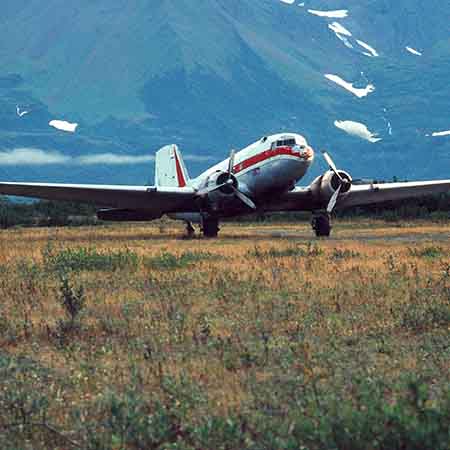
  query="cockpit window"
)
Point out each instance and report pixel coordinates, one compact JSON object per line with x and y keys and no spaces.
{"x":283,"y":143}
{"x":288,"y":142}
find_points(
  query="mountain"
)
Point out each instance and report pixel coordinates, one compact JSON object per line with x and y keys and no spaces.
{"x":213,"y":74}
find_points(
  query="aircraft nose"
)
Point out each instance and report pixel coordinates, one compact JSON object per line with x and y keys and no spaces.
{"x":308,"y":153}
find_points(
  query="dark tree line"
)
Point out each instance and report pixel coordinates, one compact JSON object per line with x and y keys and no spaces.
{"x":44,"y":213}
{"x":435,"y":207}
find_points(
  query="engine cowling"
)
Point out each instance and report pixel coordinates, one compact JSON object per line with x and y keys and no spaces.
{"x":220,"y":179}
{"x":326,"y":185}
{"x":224,"y":197}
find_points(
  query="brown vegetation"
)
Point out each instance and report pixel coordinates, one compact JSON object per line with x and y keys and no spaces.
{"x":102,"y":327}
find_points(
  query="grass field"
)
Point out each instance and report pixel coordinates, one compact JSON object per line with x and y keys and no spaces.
{"x":265,"y":338}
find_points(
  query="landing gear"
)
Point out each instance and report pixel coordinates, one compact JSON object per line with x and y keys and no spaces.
{"x":210,"y":227}
{"x":190,"y":230}
{"x":321,"y":225}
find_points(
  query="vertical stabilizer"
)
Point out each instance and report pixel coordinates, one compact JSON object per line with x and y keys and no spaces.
{"x":170,"y":170}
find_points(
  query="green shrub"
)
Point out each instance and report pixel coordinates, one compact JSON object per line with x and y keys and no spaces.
{"x":89,"y":259}
{"x":429,"y":309}
{"x":24,"y":403}
{"x":427,"y":252}
{"x":169,"y":261}
{"x":130,"y":420}
{"x":309,"y":418}
{"x":339,"y":254}
{"x":73,"y":301}
{"x":302,"y":251}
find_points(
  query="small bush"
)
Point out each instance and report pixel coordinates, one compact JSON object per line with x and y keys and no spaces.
{"x":339,"y":254}
{"x":24,"y":404}
{"x":89,"y":259}
{"x":168,"y":261}
{"x":129,"y":420}
{"x":427,"y":252}
{"x":420,"y":316}
{"x":368,"y":422}
{"x":302,"y":251}
{"x":73,"y":301}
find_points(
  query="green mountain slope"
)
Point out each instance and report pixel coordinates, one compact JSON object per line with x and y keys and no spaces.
{"x":212,"y":74}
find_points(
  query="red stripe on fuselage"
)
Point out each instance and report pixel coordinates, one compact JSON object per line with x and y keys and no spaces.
{"x":260,"y":157}
{"x":180,"y":175}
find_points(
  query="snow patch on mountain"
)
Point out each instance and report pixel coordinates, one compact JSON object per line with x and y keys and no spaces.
{"x":441,"y":133}
{"x":63,"y":125}
{"x":370,"y":50}
{"x":388,"y":123}
{"x":357,"y":129}
{"x":346,"y":42}
{"x":413,"y":51}
{"x":21,"y":112}
{"x":358,"y":92}
{"x":337,"y":14}
{"x":339,"y":29}
{"x":341,"y":33}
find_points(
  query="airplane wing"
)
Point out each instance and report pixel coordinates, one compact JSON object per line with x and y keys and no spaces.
{"x":366,"y":194}
{"x":304,"y":199}
{"x":159,"y":200}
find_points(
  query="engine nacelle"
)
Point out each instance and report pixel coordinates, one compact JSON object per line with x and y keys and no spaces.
{"x":223,"y":198}
{"x":326,"y":185}
{"x":220,"y":178}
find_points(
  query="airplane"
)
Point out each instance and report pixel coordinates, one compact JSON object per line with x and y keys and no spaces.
{"x":259,"y":178}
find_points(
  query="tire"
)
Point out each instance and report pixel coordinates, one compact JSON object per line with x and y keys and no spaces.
{"x":210,"y":228}
{"x":321,"y":226}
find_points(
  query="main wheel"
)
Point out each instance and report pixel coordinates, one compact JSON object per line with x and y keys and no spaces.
{"x":190,"y":230}
{"x":321,"y":225}
{"x":210,"y":228}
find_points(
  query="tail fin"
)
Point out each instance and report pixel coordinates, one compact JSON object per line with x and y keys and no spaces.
{"x":170,"y":170}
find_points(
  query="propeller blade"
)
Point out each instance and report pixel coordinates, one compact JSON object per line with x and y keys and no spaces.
{"x":333,"y":200}
{"x":231,"y":162}
{"x":207,"y":190}
{"x":330,"y":162}
{"x":244,"y":199}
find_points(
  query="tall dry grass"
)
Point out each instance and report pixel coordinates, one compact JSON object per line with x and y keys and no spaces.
{"x":132,"y":337}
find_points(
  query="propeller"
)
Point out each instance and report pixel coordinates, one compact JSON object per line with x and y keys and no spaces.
{"x":333,"y":200}
{"x":342,"y":182}
{"x":207,"y":190}
{"x":230,"y":182}
{"x":330,"y":162}
{"x":247,"y":200}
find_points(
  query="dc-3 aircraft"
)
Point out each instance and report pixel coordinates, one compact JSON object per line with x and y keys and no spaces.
{"x":262,"y":177}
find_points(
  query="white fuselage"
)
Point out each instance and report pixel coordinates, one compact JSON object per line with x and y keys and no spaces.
{"x":273,"y":164}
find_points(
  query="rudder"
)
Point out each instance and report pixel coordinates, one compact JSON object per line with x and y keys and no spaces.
{"x":170,"y":170}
